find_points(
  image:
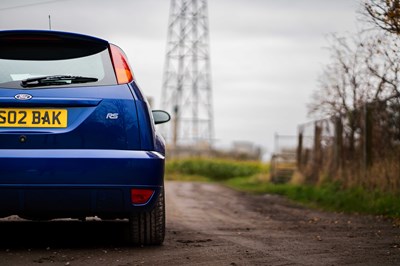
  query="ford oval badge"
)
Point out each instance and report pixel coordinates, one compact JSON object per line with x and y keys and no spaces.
{"x":23,"y":96}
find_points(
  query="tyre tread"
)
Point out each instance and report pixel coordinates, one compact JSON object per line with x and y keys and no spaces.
{"x":148,"y":228}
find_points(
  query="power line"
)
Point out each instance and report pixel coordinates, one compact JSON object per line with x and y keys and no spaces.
{"x":29,"y":5}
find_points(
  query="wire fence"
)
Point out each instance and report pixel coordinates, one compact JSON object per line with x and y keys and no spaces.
{"x":359,"y":149}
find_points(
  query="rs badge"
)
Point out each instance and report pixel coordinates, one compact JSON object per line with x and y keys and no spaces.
{"x":112,"y":116}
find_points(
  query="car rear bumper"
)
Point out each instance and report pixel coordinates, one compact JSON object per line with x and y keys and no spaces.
{"x":76,"y":183}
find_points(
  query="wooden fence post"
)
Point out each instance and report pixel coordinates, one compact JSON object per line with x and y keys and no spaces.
{"x":368,"y":136}
{"x":338,"y":145}
{"x":316,"y":155}
{"x":300,"y":149}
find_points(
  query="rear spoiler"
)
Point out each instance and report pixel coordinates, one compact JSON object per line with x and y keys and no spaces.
{"x":36,"y":44}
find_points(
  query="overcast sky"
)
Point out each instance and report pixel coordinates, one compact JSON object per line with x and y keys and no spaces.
{"x":265,"y":54}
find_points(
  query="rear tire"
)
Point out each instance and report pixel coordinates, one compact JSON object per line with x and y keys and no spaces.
{"x":148,"y":228}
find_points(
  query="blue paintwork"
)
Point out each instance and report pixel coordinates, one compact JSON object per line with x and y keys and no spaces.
{"x":87,"y":128}
{"x":10,"y":101}
{"x":87,"y":168}
{"x":85,"y":174}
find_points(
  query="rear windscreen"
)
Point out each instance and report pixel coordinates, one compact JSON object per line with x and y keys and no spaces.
{"x":25,"y":62}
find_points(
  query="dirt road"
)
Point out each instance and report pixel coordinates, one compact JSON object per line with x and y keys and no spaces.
{"x":210,"y":225}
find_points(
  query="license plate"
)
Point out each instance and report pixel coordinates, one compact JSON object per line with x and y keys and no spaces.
{"x":51,"y":118}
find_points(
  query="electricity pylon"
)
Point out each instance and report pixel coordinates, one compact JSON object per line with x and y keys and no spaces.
{"x":186,"y":91}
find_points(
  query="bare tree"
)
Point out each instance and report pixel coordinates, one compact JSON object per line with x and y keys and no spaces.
{"x":360,"y":90}
{"x":382,"y":60}
{"x":362,"y":69}
{"x":383,"y":63}
{"x":342,"y":84}
{"x":385,"y":14}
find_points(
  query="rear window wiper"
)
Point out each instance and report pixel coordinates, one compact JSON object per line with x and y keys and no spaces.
{"x":57,"y":80}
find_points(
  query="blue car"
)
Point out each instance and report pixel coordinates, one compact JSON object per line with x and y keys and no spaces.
{"x":77,"y":136}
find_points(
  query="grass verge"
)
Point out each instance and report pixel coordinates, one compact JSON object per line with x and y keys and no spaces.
{"x":253,"y":177}
{"x":328,"y":196}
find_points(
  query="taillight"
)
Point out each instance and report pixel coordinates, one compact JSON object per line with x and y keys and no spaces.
{"x":141,"y":196}
{"x":121,"y":65}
